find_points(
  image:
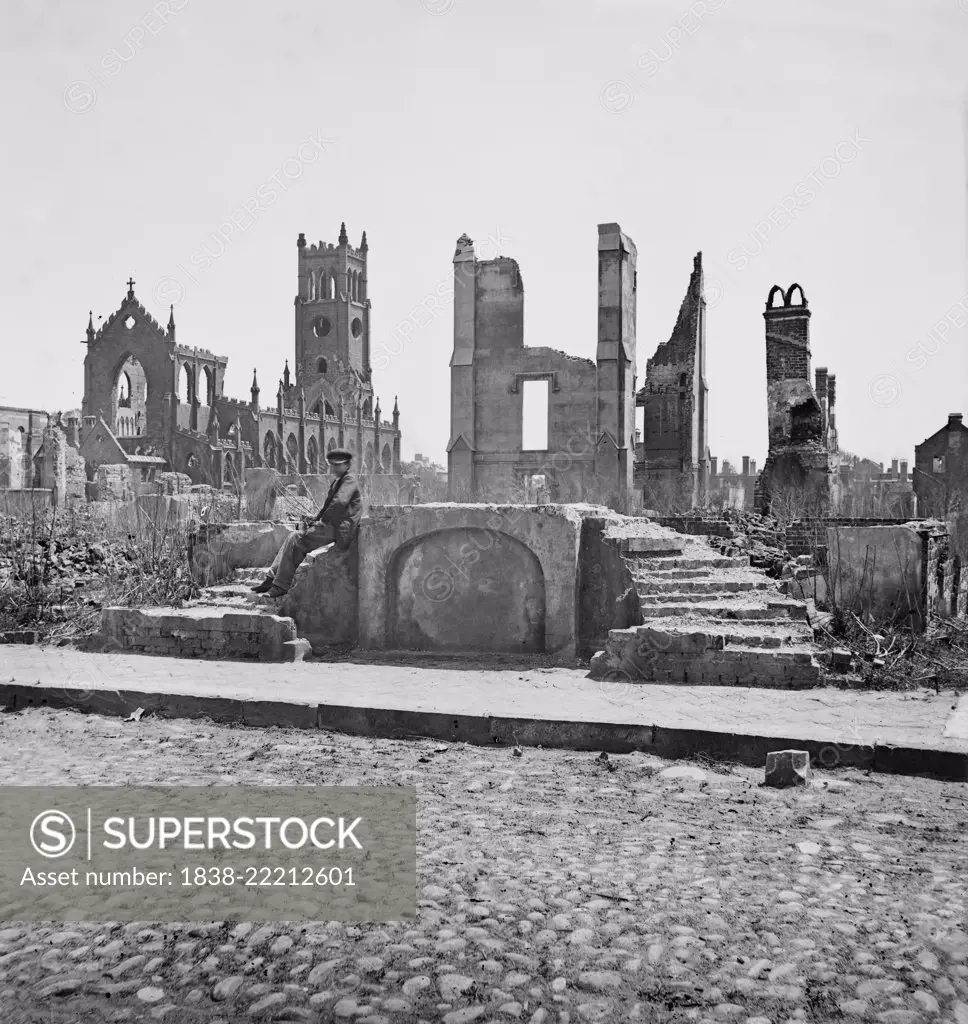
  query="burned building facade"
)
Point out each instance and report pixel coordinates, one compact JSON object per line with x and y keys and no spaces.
{"x":802,"y":428}
{"x":589,"y":449}
{"x":941,"y":469}
{"x":674,"y":463}
{"x":159,"y":399}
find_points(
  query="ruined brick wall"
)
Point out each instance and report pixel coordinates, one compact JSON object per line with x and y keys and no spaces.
{"x":798,"y":468}
{"x":589,"y":454}
{"x":697,"y":527}
{"x":52,"y":463}
{"x":75,"y":475}
{"x":674,"y":399}
{"x":113,"y":483}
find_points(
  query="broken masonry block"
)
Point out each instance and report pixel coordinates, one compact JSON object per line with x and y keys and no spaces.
{"x":295,"y":650}
{"x":841,"y":660}
{"x":787,"y":768}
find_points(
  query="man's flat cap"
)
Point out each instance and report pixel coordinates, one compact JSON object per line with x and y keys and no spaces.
{"x":339,"y":455}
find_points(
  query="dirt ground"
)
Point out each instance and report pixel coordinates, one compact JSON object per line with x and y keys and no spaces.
{"x":552,"y":887}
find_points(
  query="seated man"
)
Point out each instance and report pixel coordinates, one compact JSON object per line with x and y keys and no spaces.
{"x":336,"y":521}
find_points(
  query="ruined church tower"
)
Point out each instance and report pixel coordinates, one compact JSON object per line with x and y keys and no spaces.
{"x":332,"y":310}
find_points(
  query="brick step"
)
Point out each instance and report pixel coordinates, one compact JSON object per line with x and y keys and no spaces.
{"x":690,"y":562}
{"x":712,"y":585}
{"x":666,"y":544}
{"x":661,"y":575}
{"x":786,"y":633}
{"x":731,"y":609}
{"x":219,"y":632}
{"x":226,"y":590}
{"x":702,"y":659}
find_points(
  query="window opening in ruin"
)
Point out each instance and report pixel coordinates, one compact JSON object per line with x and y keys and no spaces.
{"x":640,"y":424}
{"x":321,"y":365}
{"x":209,"y":386}
{"x":938,"y":466}
{"x":269,"y":450}
{"x":130,"y":322}
{"x":185,"y":383}
{"x":534,"y":416}
{"x":536,"y":490}
{"x":124,"y":391}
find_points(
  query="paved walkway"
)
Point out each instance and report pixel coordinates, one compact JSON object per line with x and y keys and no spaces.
{"x":550,"y":707}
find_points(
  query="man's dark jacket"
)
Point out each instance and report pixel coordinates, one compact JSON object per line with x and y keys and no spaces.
{"x":343,"y":508}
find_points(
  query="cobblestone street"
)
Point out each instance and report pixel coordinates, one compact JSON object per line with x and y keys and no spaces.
{"x":552,"y":887}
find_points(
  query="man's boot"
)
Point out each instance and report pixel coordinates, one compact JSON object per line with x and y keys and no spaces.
{"x":265,"y":586}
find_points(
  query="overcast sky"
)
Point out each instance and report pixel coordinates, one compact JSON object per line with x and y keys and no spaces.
{"x":821,"y":142}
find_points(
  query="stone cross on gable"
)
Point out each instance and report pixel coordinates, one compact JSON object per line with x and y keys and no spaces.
{"x":130,"y":288}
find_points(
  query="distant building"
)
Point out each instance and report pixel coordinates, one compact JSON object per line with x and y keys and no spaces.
{"x":20,"y":435}
{"x":941,"y":468}
{"x":729,"y":487}
{"x":868,"y":490}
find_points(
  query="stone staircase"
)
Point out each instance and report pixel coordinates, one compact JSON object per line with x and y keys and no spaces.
{"x":708,"y":619}
{"x":234,"y":593}
{"x":226,"y":621}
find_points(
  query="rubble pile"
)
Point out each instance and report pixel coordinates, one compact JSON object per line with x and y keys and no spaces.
{"x":759,"y":536}
{"x":898,"y":659}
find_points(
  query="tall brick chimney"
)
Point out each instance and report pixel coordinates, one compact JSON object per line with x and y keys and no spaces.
{"x":787,"y":336}
{"x":746,"y":465}
{"x":904,"y":470}
{"x":893,"y":469}
{"x":713,"y":465}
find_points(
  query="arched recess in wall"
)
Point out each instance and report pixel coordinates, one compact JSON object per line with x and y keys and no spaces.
{"x":311,"y":286}
{"x":386,"y":459}
{"x":329,"y":410}
{"x":368,"y":409}
{"x":498,"y":606}
{"x":292,"y":450}
{"x":312,"y":455}
{"x":269,"y":450}
{"x":330,"y":444}
{"x":368,"y":457}
{"x":795,"y":290}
